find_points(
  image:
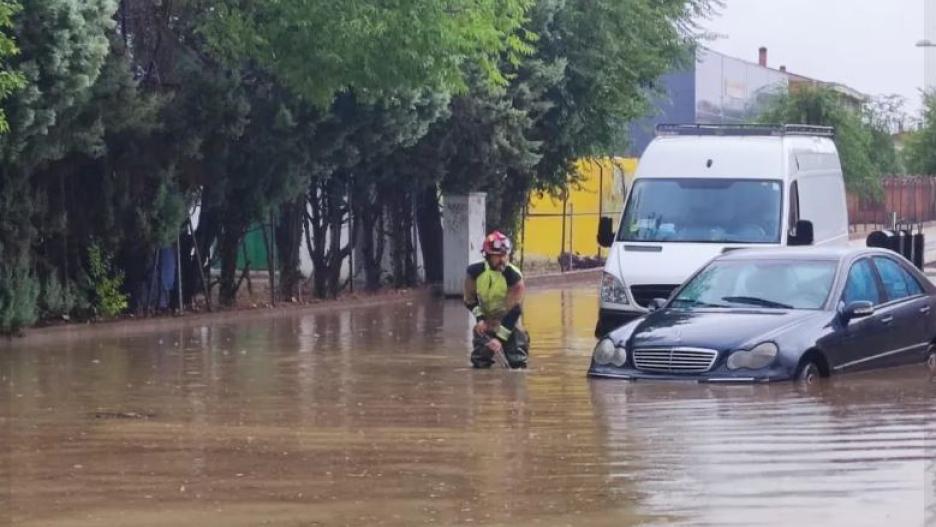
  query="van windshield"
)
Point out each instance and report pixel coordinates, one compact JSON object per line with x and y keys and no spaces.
{"x":703,"y":211}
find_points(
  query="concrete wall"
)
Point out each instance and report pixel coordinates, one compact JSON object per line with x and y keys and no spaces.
{"x":463,"y":231}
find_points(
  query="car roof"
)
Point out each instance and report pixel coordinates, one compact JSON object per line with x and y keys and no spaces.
{"x":804,"y":253}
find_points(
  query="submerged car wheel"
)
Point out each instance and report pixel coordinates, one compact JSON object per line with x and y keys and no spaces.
{"x":809,"y":373}
{"x":931,"y":360}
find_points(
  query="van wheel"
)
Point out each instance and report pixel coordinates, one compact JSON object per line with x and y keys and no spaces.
{"x":809,"y":374}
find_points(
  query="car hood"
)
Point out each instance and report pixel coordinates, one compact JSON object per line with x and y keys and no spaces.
{"x":719,"y":330}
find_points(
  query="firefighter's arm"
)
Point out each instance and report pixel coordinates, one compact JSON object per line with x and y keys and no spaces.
{"x":471,"y":298}
{"x":514,"y":306}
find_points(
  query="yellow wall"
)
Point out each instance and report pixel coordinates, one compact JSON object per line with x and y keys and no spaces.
{"x":542,"y":238}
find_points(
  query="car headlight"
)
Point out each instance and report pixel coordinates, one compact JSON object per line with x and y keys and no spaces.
{"x":758,"y":357}
{"x":606,"y":352}
{"x":612,"y":290}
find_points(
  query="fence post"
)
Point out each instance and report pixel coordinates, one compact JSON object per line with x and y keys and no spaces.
{"x":565,"y":202}
{"x":571,"y":232}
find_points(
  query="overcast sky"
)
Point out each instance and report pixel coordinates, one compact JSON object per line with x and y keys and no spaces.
{"x":866,"y":44}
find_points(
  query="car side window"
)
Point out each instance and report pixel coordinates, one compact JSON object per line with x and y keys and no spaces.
{"x":898,"y":283}
{"x":861,"y":285}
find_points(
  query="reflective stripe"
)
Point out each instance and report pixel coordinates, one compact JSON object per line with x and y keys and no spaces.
{"x":477,"y":312}
{"x":503,"y":333}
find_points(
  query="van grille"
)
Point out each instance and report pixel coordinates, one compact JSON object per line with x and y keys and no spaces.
{"x":644,"y":294}
{"x":674,"y":360}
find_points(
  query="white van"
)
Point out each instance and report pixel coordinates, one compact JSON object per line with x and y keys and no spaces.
{"x":701,"y":190}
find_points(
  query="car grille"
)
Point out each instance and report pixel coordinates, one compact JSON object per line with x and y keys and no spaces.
{"x":674,"y":360}
{"x":644,"y":294}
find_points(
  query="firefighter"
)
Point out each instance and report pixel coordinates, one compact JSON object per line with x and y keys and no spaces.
{"x":494,"y":294}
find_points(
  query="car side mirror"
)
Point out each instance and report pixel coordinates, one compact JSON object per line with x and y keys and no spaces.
{"x":656,"y":304}
{"x":856,"y":310}
{"x":803,"y":234}
{"x":605,"y":232}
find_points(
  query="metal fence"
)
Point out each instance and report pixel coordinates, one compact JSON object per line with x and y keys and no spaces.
{"x":911,"y":198}
{"x":576,"y":235}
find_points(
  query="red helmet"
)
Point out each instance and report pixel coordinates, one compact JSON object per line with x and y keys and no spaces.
{"x":496,"y":243}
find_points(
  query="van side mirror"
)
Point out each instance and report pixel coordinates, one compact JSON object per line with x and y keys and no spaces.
{"x":605,"y":232}
{"x":656,"y":304}
{"x":856,"y":310}
{"x":803,"y":234}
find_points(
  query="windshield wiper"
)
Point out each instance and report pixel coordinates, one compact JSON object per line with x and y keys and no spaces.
{"x":755,"y":301}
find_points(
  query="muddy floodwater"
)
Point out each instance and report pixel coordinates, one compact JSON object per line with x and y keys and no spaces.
{"x":369,"y":416}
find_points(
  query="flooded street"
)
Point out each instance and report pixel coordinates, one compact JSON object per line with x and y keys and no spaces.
{"x":369,"y":416}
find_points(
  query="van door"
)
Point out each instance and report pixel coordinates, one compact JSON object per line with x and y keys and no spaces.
{"x":821,"y":200}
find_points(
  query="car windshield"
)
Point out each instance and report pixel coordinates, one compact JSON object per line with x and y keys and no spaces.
{"x":771,"y":284}
{"x":703,"y":210}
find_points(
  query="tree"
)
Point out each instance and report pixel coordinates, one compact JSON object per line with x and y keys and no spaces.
{"x":63,"y":47}
{"x":10,"y":79}
{"x":614,"y":53}
{"x":319,"y":48}
{"x":360,"y":141}
{"x":853,"y":135}
{"x":592,"y":68}
{"x":886,"y":116}
{"x":920,"y":150}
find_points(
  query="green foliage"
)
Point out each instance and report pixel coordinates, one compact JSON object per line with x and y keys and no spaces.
{"x":58,"y":300}
{"x":919,"y":153}
{"x":63,"y":47}
{"x":18,"y":292}
{"x":107,"y":283}
{"x":886,"y":116}
{"x":854,"y":136}
{"x":321,"y":47}
{"x":10,"y":79}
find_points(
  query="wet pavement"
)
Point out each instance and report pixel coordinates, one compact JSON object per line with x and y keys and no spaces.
{"x":369,"y":416}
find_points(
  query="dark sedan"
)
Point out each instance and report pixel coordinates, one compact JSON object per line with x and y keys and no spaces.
{"x":779,"y":314}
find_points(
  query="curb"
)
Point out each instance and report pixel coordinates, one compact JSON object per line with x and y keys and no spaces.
{"x":141,"y":326}
{"x":570,"y":277}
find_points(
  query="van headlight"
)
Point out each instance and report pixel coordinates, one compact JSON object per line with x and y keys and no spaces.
{"x":758,"y":357}
{"x":612,"y":290}
{"x":606,"y":352}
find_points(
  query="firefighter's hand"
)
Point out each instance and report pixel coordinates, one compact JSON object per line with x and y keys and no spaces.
{"x":495,"y":346}
{"x":481,"y":327}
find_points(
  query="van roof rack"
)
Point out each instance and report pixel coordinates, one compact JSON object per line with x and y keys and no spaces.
{"x":745,"y":129}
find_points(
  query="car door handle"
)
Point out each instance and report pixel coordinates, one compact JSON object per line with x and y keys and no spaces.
{"x":887,"y":320}
{"x":925,"y":309}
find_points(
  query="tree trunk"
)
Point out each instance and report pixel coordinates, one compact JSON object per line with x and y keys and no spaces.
{"x":397,"y":233}
{"x":289,"y":245}
{"x":403,"y":249}
{"x":369,"y":214}
{"x":337,"y":213}
{"x":513,"y":199}
{"x":318,"y":228}
{"x":205,"y":235}
{"x":229,"y":243}
{"x":429,"y":227}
